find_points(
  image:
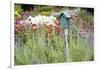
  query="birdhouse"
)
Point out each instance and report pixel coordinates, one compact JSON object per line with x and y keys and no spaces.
{"x":65,"y":20}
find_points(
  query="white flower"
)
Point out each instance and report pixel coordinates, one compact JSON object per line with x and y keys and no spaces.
{"x":29,"y":20}
{"x":40,"y":20}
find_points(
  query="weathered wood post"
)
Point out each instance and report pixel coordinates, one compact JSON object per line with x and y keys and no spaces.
{"x":65,"y":23}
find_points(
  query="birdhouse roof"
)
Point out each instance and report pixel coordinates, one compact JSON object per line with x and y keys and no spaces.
{"x":66,"y":13}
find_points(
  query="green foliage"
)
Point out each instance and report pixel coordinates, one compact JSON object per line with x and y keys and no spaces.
{"x":36,"y":51}
{"x":45,"y":8}
{"x":39,"y":50}
{"x":47,"y":13}
{"x":80,"y":49}
{"x":17,"y":10}
{"x":87,"y":19}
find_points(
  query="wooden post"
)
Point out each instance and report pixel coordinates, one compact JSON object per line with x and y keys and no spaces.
{"x":66,"y":50}
{"x":65,"y":23}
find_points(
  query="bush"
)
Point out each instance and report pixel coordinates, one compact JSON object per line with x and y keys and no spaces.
{"x":45,"y":8}
{"x":36,"y":51}
{"x":47,"y":13}
{"x":17,"y":10}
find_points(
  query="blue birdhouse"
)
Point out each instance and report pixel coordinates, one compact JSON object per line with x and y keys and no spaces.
{"x":65,"y":20}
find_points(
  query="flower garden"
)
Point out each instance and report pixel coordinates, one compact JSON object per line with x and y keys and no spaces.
{"x":39,"y":38}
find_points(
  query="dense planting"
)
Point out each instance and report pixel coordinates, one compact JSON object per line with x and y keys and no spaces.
{"x":40,"y":39}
